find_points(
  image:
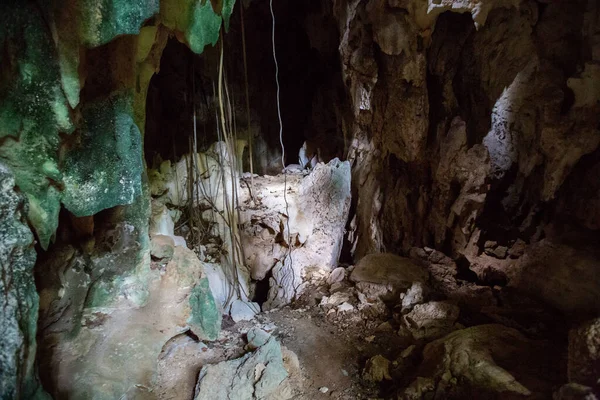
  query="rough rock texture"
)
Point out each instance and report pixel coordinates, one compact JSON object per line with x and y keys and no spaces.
{"x":98,"y":338}
{"x":388,"y":269}
{"x":105,"y":170}
{"x":252,"y":377}
{"x":74,"y":80}
{"x":431,"y":320}
{"x":288,"y":240}
{"x":19,"y":299}
{"x":481,"y":362}
{"x":584,"y":353}
{"x":475,"y":122}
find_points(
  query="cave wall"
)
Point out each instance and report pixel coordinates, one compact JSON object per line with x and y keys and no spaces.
{"x":474,"y":129}
{"x":73,"y":83}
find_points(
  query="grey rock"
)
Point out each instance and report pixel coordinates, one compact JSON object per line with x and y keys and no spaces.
{"x":431,"y":320}
{"x":464,"y":361}
{"x":416,"y":294}
{"x":386,"y":268}
{"x":574,"y":391}
{"x":584,"y":353}
{"x":253,"y":376}
{"x":337,"y":275}
{"x":162,"y":246}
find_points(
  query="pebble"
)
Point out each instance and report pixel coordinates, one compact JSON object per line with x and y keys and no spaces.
{"x":324,"y":389}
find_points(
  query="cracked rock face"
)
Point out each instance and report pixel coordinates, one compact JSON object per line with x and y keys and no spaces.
{"x":475,"y":122}
{"x":19,"y":299}
{"x":254,"y":376}
{"x":480,"y":361}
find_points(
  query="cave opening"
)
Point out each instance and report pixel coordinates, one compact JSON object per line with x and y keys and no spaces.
{"x":311,"y":94}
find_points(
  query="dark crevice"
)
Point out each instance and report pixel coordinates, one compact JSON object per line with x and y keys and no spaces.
{"x":464,"y":272}
{"x":261,"y":290}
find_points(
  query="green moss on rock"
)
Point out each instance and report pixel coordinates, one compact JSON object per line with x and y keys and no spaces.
{"x":103,"y":20}
{"x":105,"y":169}
{"x":198,"y":21}
{"x":18,"y":296}
{"x":33,"y":111}
{"x":205,"y":318}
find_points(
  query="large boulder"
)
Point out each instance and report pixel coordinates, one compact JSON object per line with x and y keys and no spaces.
{"x":254,"y":376}
{"x":100,"y":345}
{"x":482,"y":362}
{"x":584,"y":353}
{"x":564,"y":276}
{"x":386,"y":268}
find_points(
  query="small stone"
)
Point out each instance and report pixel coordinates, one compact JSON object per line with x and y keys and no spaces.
{"x":377,"y":369}
{"x":162,"y":247}
{"x":385,"y":327}
{"x":408,"y":351}
{"x":324,"y":389}
{"x":517,"y":249}
{"x":337,"y":275}
{"x":416,"y":294}
{"x":344,"y":372}
{"x":369,"y":339}
{"x":345,"y":307}
{"x":336,"y":287}
{"x":243,"y":311}
{"x":431,"y":320}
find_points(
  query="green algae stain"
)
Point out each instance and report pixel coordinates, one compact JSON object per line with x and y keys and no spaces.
{"x":103,"y":20}
{"x":204,"y":27}
{"x":105,"y":169}
{"x":33,"y":112}
{"x":205,"y":318}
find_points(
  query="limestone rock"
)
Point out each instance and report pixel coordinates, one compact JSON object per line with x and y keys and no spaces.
{"x":418,"y":389}
{"x":377,"y":369}
{"x":312,"y":221}
{"x":103,"y":327}
{"x":162,"y":246}
{"x":574,"y":391}
{"x":416,"y":294}
{"x":19,"y":311}
{"x":105,"y":170}
{"x":431,"y":320}
{"x":468,"y":361}
{"x":584,"y":353}
{"x":33,"y":112}
{"x":337,"y":275}
{"x":541,"y":272}
{"x":253,"y":376}
{"x":243,"y":310}
{"x":385,"y":268}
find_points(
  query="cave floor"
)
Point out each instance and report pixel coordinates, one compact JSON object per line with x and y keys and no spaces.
{"x":330,"y":347}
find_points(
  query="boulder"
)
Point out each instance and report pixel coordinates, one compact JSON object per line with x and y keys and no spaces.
{"x":337,"y":275}
{"x":431,"y":320}
{"x":243,"y":310}
{"x":253,"y":376}
{"x":574,"y":391}
{"x":386,"y":268}
{"x":377,"y":369}
{"x":584,"y":353}
{"x":482,"y":361}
